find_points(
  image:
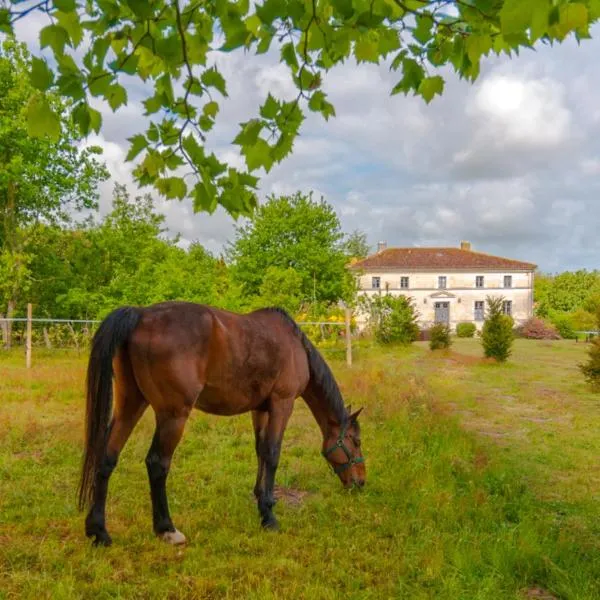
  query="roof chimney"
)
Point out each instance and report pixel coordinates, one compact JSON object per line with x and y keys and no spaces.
{"x":381,"y":246}
{"x":465,"y":245}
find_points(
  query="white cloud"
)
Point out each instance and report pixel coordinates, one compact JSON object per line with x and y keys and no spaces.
{"x":510,"y":163}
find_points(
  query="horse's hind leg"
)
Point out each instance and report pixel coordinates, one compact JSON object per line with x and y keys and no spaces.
{"x":129,"y":406}
{"x":269,"y":427}
{"x":169,"y":429}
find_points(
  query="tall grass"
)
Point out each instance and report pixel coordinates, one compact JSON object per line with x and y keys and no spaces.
{"x":448,"y":511}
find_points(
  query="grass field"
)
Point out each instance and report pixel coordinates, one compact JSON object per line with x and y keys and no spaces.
{"x":483,"y":481}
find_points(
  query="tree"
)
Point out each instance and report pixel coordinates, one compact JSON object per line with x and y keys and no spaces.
{"x":293,"y":232}
{"x":41,"y":179}
{"x":570,"y":290}
{"x":168,"y":43}
{"x":356,"y":245}
{"x":86,"y":270}
{"x":282,"y":288}
{"x":497,"y":334}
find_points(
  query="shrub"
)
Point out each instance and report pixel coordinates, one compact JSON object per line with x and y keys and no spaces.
{"x":538,"y":329}
{"x":466,"y":330}
{"x":497,"y":334}
{"x":394,"y":319}
{"x":440,"y":337}
{"x":564,"y":324}
{"x":591,"y":369}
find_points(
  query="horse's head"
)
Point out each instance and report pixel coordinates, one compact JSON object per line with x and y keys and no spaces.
{"x":341,"y":448}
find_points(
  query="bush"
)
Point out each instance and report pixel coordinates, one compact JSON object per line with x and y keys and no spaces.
{"x":564,"y":324}
{"x":394,"y":319}
{"x":466,"y":330}
{"x":497,"y":334}
{"x":440,"y":337}
{"x":538,"y":329}
{"x":591,"y":369}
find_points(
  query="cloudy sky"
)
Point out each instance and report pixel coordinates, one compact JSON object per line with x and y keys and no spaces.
{"x":510,"y":163}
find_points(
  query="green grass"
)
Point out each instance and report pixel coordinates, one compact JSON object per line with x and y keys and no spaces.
{"x":483,"y":481}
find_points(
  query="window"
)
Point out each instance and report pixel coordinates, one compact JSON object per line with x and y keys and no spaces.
{"x":375,"y":282}
{"x":507,"y":307}
{"x":507,"y":281}
{"x":479,"y":310}
{"x":404,"y":283}
{"x":479,"y":281}
{"x":442,"y":282}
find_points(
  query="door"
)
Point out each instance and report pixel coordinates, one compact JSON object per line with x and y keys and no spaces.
{"x":442,"y":312}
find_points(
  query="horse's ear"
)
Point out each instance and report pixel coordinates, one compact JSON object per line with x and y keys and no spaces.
{"x":355,"y":415}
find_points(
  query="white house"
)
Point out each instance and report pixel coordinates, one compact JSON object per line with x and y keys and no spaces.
{"x":448,"y":284}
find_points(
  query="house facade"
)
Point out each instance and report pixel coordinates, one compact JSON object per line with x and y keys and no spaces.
{"x":448,"y":285}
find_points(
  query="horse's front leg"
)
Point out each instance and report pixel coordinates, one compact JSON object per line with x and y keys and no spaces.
{"x":269,"y":427}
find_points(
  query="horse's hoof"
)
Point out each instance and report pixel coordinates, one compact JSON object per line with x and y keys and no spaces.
{"x":270,"y":525}
{"x":175,"y":538}
{"x":101,"y":539}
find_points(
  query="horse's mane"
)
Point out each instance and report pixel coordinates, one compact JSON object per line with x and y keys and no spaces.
{"x":322,"y":380}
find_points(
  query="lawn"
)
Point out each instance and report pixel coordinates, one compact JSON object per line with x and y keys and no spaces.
{"x":483,"y":481}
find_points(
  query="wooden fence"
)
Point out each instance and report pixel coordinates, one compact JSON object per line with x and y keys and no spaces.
{"x":30,"y":321}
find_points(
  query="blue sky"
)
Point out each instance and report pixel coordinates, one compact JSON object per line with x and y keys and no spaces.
{"x":511,"y":163}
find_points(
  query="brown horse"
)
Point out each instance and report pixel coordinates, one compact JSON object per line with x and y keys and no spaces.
{"x":176,"y":356}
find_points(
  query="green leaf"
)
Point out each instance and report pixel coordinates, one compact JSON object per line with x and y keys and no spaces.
{"x":54,"y":36}
{"x":211,"y":109}
{"x":258,"y":155}
{"x":249,"y":133}
{"x":205,"y":198}
{"x":515,"y":16}
{"x":253,"y":24}
{"x":430,"y":86}
{"x":153,"y":104}
{"x":270,"y":108}
{"x":540,"y":19}
{"x":141,"y":8}
{"x":69,"y":21}
{"x":99,"y":82}
{"x":137,"y":143}
{"x":212,"y":78}
{"x":172,"y":187}
{"x":288,"y":56}
{"x":41,"y":119}
{"x":87,"y":118}
{"x":413,"y":75}
{"x":194,"y":150}
{"x":5,"y":25}
{"x":41,"y":76}
{"x":319,"y":103}
{"x":422,"y":31}
{"x":116,"y":96}
{"x":366,"y":48}
{"x":65,"y":5}
{"x":572,"y":16}
{"x":478,"y":45}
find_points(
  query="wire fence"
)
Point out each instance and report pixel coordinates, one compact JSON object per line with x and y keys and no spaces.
{"x":49,"y":333}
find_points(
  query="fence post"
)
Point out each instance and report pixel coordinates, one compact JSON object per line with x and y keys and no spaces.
{"x":348,"y":338}
{"x":29,"y":315}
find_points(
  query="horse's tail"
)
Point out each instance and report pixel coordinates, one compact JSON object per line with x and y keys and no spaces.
{"x":113,"y":332}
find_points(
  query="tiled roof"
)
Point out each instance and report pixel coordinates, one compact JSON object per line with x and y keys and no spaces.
{"x":439,"y":258}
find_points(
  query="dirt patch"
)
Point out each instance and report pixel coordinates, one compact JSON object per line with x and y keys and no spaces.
{"x":538,"y":593}
{"x":466,"y":360}
{"x":291,"y":496}
{"x":35,"y":455}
